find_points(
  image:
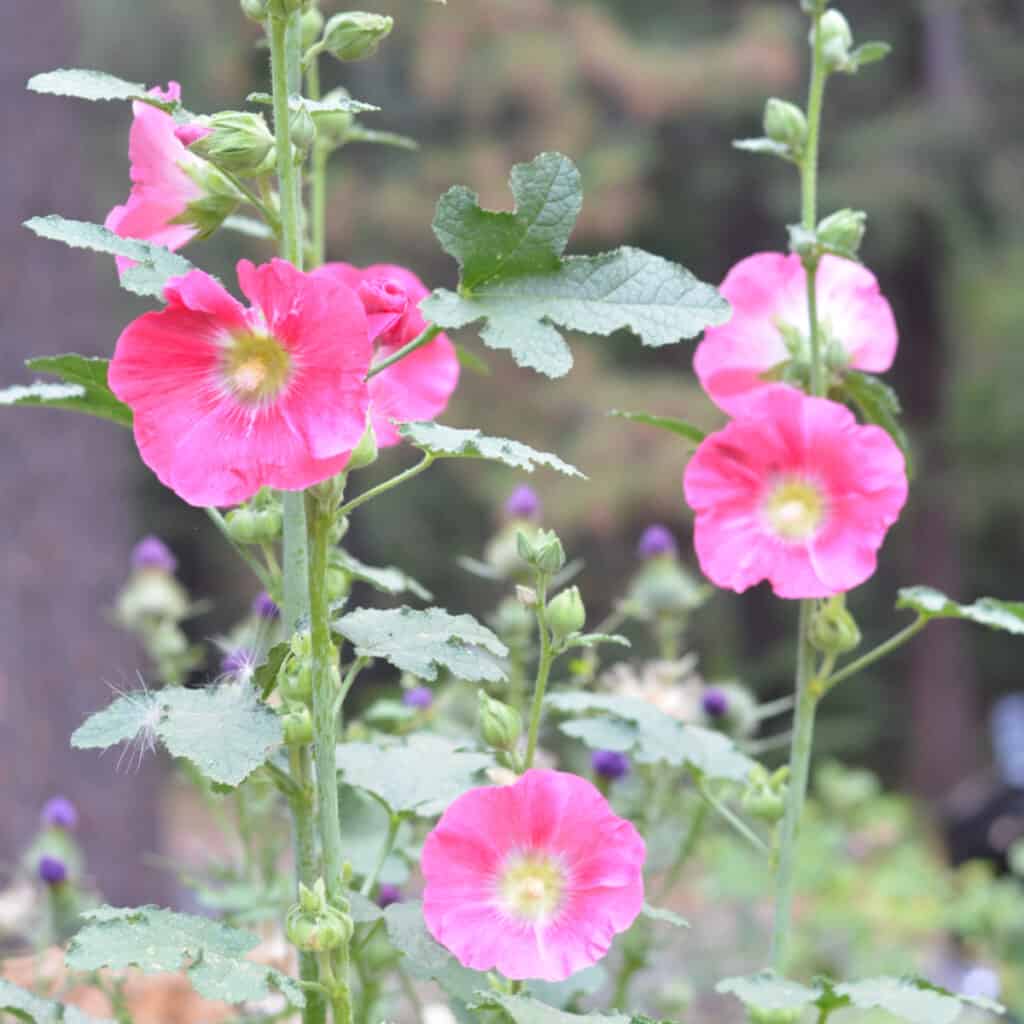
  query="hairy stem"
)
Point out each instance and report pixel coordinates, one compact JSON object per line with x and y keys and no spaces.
{"x":425,"y":338}
{"x":547,"y":657}
{"x":373,"y":492}
{"x":318,"y":176}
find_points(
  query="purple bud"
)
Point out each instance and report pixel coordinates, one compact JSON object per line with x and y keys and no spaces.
{"x":418,"y":697}
{"x":610,"y":764}
{"x":523,"y":503}
{"x":715,"y":702}
{"x":236,"y":661}
{"x":656,"y":540}
{"x":388,"y":894}
{"x":264,"y":606}
{"x":59,"y":812}
{"x":153,"y":553}
{"x":52,"y":870}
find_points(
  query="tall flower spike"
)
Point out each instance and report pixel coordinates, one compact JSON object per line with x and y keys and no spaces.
{"x":417,"y":387}
{"x":770,"y":325}
{"x":533,"y":879}
{"x":228,"y":399}
{"x":795,"y":492}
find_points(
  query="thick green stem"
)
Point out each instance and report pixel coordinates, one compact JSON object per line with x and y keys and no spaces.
{"x":284,"y":72}
{"x":547,"y":657}
{"x":424,"y":338}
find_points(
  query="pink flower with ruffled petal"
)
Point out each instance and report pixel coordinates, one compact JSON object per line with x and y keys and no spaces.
{"x":417,"y":387}
{"x":796,"y":492}
{"x":161,"y":189}
{"x":534,"y":879}
{"x":770,"y":325}
{"x":228,"y":399}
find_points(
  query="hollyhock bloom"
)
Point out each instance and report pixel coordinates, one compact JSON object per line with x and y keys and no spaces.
{"x":152,"y":553}
{"x":417,"y":387}
{"x":228,"y":399}
{"x":770,"y":325}
{"x":59,"y":812}
{"x":655,"y":541}
{"x":795,"y":492}
{"x":533,"y":879}
{"x":162,"y":187}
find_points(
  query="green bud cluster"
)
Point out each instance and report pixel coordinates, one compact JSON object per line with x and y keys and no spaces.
{"x":313,"y":925}
{"x":259,"y":521}
{"x":842,"y":232}
{"x":786,"y":124}
{"x":542,"y":551}
{"x":836,"y":40}
{"x":765,"y":795}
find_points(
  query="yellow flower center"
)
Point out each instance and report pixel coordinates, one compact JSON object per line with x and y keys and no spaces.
{"x":794,"y":509}
{"x":256,"y":367}
{"x":531,"y":886}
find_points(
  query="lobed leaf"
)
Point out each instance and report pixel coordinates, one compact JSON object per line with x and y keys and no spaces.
{"x":387,"y":579}
{"x":334,"y":104}
{"x":420,"y":776}
{"x":986,"y":611}
{"x":86,"y":84}
{"x":452,"y":443}
{"x":26,"y":1006}
{"x":421,"y":642}
{"x":89,"y":376}
{"x":121,"y":721}
{"x":524,"y":1010}
{"x":679,"y":427}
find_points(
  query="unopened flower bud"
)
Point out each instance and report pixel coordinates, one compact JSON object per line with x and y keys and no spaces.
{"x":833,"y":629}
{"x":356,"y":35}
{"x":843,"y":231}
{"x":731,"y":709}
{"x":420,"y":697}
{"x":364,"y":453}
{"x":52,"y":870}
{"x":566,"y":613}
{"x":302,"y":129}
{"x":59,"y":812}
{"x":836,"y":39}
{"x":543,"y":551}
{"x":765,"y":803}
{"x":314,"y":926}
{"x":256,"y":10}
{"x":333,"y":126}
{"x":152,"y":553}
{"x":237,"y":141}
{"x":312,"y":26}
{"x":610,"y":764}
{"x":282,"y":8}
{"x":253,"y":524}
{"x":388,"y":894}
{"x":655,"y":542}
{"x":500,"y":725}
{"x":297,"y":726}
{"x":522,"y":503}
{"x":785,"y":123}
{"x":149,"y":596}
{"x":715,"y":702}
{"x":526,"y":596}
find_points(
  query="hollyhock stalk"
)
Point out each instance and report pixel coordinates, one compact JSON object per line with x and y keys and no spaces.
{"x":806,"y":697}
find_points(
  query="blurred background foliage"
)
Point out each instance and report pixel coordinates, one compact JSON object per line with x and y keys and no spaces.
{"x":646,"y":96}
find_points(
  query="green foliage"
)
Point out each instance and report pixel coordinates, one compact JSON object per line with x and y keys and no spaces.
{"x":336,"y":103}
{"x":929,"y":603}
{"x":452,"y":443}
{"x":909,"y":999}
{"x":514,"y":276}
{"x":364,"y":832}
{"x":85,"y":84}
{"x":649,"y":735}
{"x":154,"y":264}
{"x":387,"y":579}
{"x":421,"y":642}
{"x":878,"y":404}
{"x":419,"y":777}
{"x":24,"y":1006}
{"x":84,"y":388}
{"x":524,"y":1010}
{"x":157,"y":940}
{"x":664,"y":916}
{"x":226,"y":732}
{"x":679,"y":427}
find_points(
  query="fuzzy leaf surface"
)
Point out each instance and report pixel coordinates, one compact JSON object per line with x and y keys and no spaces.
{"x":454,"y":443}
{"x":26,"y":1006}
{"x":387,"y":579}
{"x":88,"y":375}
{"x":524,"y":1010}
{"x":986,"y":611}
{"x":421,"y":642}
{"x":86,"y":84}
{"x":420,"y":776}
{"x":120,"y":721}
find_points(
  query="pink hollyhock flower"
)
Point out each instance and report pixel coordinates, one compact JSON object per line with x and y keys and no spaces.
{"x":795,"y":492}
{"x":533,"y":879}
{"x":770,"y":325}
{"x":417,"y":387}
{"x":228,"y":399}
{"x":162,"y":186}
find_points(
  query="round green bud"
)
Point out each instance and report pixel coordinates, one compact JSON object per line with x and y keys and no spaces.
{"x":255,"y":9}
{"x":297,"y":726}
{"x":333,"y":126}
{"x":356,"y":35}
{"x":566,"y":613}
{"x":500,"y":725}
{"x":302,"y":129}
{"x":239,"y":141}
{"x":767,"y":804}
{"x":242,"y":525}
{"x":338,"y":584}
{"x":544,"y":552}
{"x":312,"y":26}
{"x":295,"y":682}
{"x":833,"y":629}
{"x":785,"y":123}
{"x":836,"y":39}
{"x":843,"y":231}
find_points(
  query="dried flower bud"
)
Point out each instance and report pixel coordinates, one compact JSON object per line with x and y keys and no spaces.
{"x":355,"y":35}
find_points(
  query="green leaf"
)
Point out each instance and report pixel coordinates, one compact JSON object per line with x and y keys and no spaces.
{"x":560,"y":994}
{"x":596,"y":639}
{"x":264,"y":678}
{"x":335,"y":104}
{"x":89,"y":376}
{"x":649,"y":735}
{"x":452,"y":443}
{"x":870,"y":53}
{"x":421,"y":776}
{"x":514,"y":276}
{"x":878,"y":404}
{"x":364,"y":831}
{"x":129,"y":715}
{"x":388,"y":580}
{"x":421,"y":642}
{"x":154,"y":265}
{"x":767,"y":991}
{"x":679,"y":427}
{"x":427,"y":959}
{"x":25,"y":1006}
{"x":157,"y":940}
{"x":357,"y":133}
{"x":911,"y":999}
{"x":524,"y":1010}
{"x":85,"y":84}
{"x":987,"y":611}
{"x":765,"y":147}
{"x":227,"y":732}
{"x":666,"y":916}
{"x":469,"y":360}
{"x":248,"y":226}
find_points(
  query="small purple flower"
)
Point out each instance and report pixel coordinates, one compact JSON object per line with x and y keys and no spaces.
{"x":59,"y":812}
{"x":52,"y":870}
{"x":610,"y":764}
{"x":523,"y":503}
{"x":418,"y":697}
{"x":655,"y":541}
{"x":388,"y":894}
{"x":236,"y":662}
{"x":264,"y":606}
{"x":715,"y":702}
{"x":152,"y":553}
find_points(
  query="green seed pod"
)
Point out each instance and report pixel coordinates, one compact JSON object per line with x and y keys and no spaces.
{"x":500,"y":725}
{"x":843,"y":231}
{"x":786,"y":123}
{"x":238,"y":141}
{"x":355,"y":35}
{"x":566,"y":613}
